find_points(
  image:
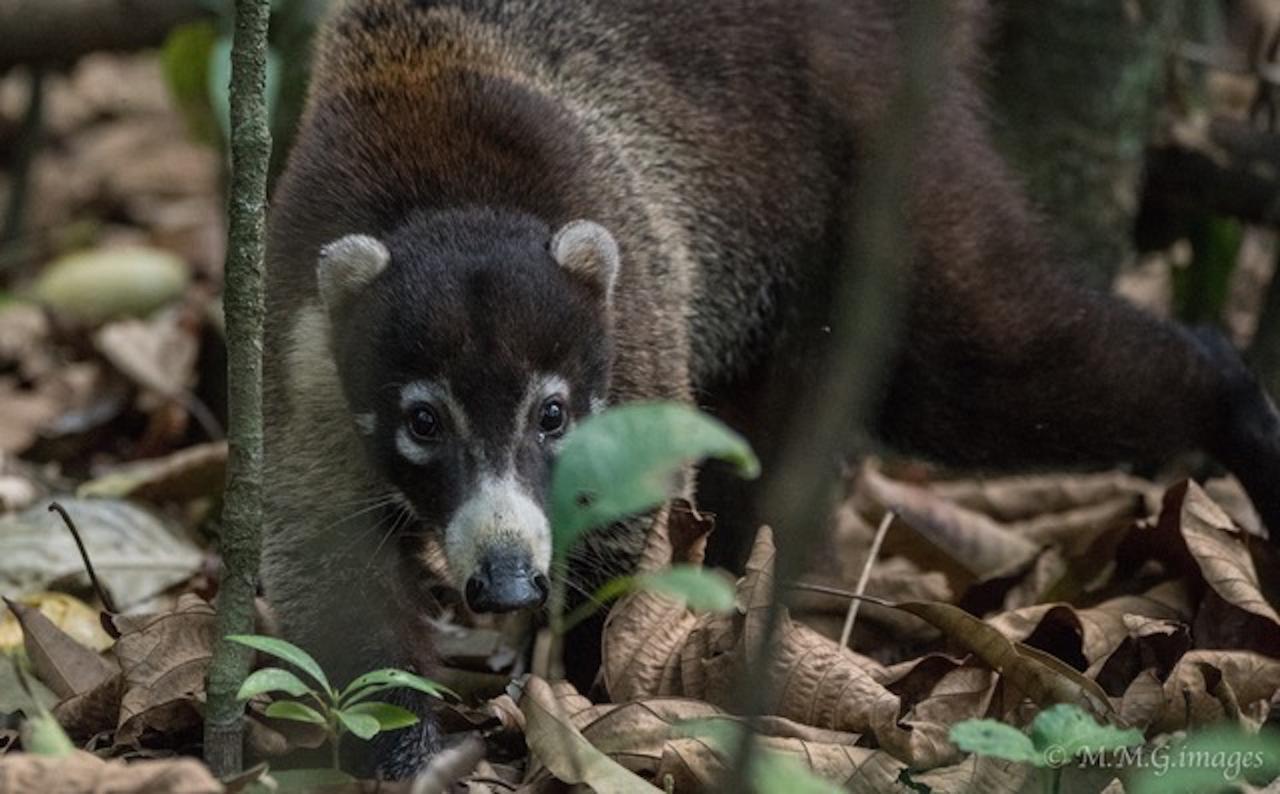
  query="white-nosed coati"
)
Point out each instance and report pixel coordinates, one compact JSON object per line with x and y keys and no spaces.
{"x":499,"y":216}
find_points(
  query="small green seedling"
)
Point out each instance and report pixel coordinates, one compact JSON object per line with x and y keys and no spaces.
{"x":1219,"y":758}
{"x":700,"y":589}
{"x":1058,"y":735}
{"x":41,"y":733}
{"x":338,"y":712}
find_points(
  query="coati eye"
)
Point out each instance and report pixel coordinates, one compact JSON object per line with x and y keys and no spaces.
{"x":424,"y":424}
{"x":553,"y":417}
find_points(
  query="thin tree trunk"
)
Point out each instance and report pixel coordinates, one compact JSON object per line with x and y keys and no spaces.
{"x":241,"y":540}
{"x":1076,"y":87}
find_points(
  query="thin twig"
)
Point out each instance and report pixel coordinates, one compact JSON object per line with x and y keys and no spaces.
{"x":838,"y":592}
{"x":856,"y":602}
{"x":103,"y":595}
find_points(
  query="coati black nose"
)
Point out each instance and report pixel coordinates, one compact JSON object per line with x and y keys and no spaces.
{"x":505,"y":582}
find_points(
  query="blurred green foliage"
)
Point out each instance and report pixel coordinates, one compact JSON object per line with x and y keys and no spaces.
{"x":197,"y":65}
{"x":1200,"y":289}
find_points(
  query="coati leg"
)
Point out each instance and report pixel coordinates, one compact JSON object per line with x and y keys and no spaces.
{"x":1007,"y":362}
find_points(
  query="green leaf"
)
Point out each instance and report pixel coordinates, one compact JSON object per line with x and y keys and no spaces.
{"x":1067,"y":728}
{"x":362,"y":725}
{"x":287,"y":651}
{"x":391,"y":678}
{"x":302,"y":781}
{"x":292,"y":710}
{"x":42,"y":735}
{"x":625,"y":460}
{"x":272,"y":679}
{"x":389,"y":717}
{"x":702,"y":590}
{"x":994,"y":738}
{"x":185,"y":59}
{"x":1209,"y":761}
{"x":220,"y":83}
{"x":775,"y":773}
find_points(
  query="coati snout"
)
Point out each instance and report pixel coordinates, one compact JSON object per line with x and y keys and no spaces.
{"x":468,"y":344}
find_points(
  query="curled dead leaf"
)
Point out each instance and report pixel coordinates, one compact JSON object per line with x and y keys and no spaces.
{"x":973,"y":541}
{"x":559,"y":748}
{"x":64,"y":665}
{"x":654,"y":646}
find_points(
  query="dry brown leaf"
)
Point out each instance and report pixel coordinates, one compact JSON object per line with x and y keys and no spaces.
{"x":562,"y":750}
{"x":1040,"y":676}
{"x":695,"y":765}
{"x":642,"y":736}
{"x":893,"y":579}
{"x":688,"y":530}
{"x":54,"y":404}
{"x":1153,"y":646}
{"x":1206,"y":687}
{"x":1075,"y":531}
{"x":83,"y":772}
{"x":93,"y":712}
{"x":979,"y":774}
{"x":1229,"y":494}
{"x":1027,"y":499}
{"x":158,"y":354}
{"x":1094,"y":633}
{"x":1219,"y":550}
{"x":189,"y":473}
{"x":164,"y":658}
{"x":64,"y":665}
{"x":975,"y":542}
{"x":653,"y":646}
{"x":960,"y":694}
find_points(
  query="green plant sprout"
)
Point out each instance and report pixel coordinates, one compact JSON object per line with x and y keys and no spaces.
{"x":1221,"y":757}
{"x":624,"y":462}
{"x":338,"y":712}
{"x":1058,"y":735}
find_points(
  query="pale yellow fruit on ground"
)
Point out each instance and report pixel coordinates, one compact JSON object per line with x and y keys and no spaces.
{"x":106,"y":283}
{"x":68,"y":613}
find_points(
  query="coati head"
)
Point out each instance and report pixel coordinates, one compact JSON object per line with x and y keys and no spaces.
{"x":468,"y":343}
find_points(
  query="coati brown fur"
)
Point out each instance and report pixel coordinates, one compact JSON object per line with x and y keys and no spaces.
{"x":437,"y":318}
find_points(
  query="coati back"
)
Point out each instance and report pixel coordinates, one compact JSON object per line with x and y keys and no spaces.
{"x":501,"y":216}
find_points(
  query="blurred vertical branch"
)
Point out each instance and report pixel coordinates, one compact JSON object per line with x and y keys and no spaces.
{"x":20,"y":177}
{"x":241,"y":540}
{"x":1077,"y":85}
{"x":869,"y":306}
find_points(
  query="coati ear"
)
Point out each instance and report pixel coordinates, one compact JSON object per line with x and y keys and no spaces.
{"x":587,"y":250}
{"x":346,"y":266}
